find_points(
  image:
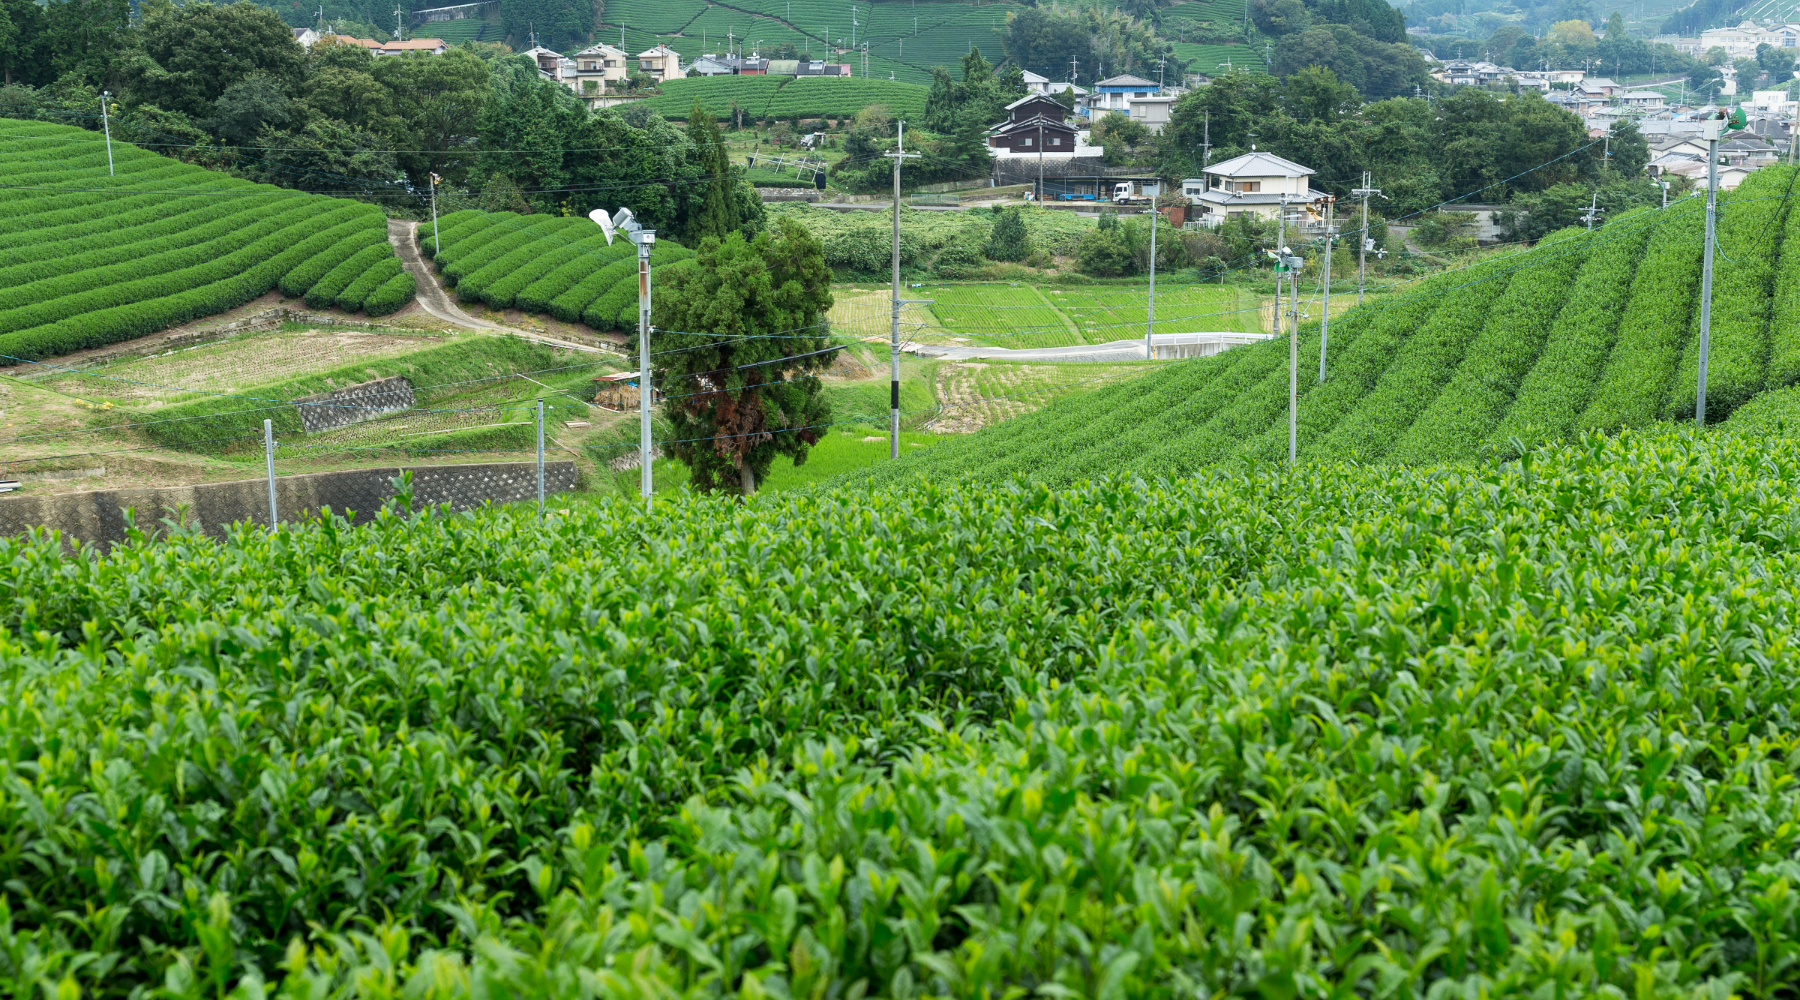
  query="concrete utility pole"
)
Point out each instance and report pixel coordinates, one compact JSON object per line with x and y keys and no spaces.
{"x":106,"y":123}
{"x":269,"y":455}
{"x":1710,"y":130}
{"x":437,"y":241}
{"x":1593,"y":211}
{"x":899,"y":156}
{"x":1325,"y":317}
{"x":1281,"y":264}
{"x":540,"y":457}
{"x":1150,"y":324}
{"x":1362,"y":248}
{"x":1205,"y":142}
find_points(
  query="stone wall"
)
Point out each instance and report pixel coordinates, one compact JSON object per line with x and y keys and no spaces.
{"x":98,"y":517}
{"x":353,"y":404}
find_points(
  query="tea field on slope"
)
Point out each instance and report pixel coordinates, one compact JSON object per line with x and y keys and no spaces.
{"x":1584,"y":332}
{"x":90,"y":257}
{"x":1333,"y":731}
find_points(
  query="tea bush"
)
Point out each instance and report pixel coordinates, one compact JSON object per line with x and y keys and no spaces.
{"x":1333,"y":731}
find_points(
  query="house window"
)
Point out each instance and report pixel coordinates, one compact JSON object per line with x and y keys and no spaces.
{"x":1055,"y":140}
{"x":1248,"y":187}
{"x":1025,"y":141}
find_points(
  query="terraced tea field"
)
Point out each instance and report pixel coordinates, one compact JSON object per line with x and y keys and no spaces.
{"x":90,"y":257}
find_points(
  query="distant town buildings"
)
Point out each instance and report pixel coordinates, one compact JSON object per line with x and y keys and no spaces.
{"x":1741,"y":42}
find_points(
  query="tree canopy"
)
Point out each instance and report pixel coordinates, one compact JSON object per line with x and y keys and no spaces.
{"x":738,"y":380}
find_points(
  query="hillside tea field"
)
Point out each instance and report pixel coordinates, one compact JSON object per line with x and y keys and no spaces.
{"x":1346,"y":731}
{"x":89,"y":258}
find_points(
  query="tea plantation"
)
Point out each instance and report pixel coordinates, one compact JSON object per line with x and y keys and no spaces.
{"x":89,"y":258}
{"x":1586,"y":331}
{"x":1341,"y":731}
{"x":545,"y":264}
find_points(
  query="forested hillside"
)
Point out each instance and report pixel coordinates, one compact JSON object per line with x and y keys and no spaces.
{"x":1586,"y":331}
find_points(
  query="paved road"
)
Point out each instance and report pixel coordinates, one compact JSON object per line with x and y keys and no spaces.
{"x":437,"y":302}
{"x":1117,"y":350}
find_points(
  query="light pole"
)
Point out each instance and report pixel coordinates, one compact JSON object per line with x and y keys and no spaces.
{"x":106,"y":124}
{"x":645,"y":240}
{"x":1710,"y":130}
{"x":1150,"y":324}
{"x":1325,"y":278}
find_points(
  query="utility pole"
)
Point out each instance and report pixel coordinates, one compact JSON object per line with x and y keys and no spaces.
{"x":1281,"y":265}
{"x":1710,"y":130}
{"x":1205,"y":141}
{"x":853,"y":27}
{"x":398,"y":14}
{"x":1362,"y":249}
{"x":899,"y":156}
{"x":1325,"y":317}
{"x":1040,"y":146}
{"x":1593,"y":211}
{"x":106,"y":123}
{"x":437,"y":241}
{"x":645,"y":240}
{"x":1150,"y":324}
{"x":269,"y":455}
{"x":540,"y":456}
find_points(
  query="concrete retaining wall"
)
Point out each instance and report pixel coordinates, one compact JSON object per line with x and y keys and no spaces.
{"x":354,"y":404}
{"x":98,"y":517}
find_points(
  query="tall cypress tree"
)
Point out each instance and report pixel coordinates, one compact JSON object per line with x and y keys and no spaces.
{"x":717,"y":215}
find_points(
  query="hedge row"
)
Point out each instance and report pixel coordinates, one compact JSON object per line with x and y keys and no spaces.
{"x":156,"y":275}
{"x":570,"y":305}
{"x":1556,"y":391}
{"x":96,"y":229}
{"x":392,"y":295}
{"x":59,"y":209}
{"x":542,"y":292}
{"x":325,"y":291}
{"x":513,"y":236}
{"x":162,"y":217}
{"x":472,"y":236}
{"x":1261,"y":382}
{"x":383,"y":271}
{"x":1459,"y":420}
{"x":190,"y":232}
{"x":446,"y":223}
{"x":1262,"y":417}
{"x":498,"y":260}
{"x":1655,"y":324}
{"x":591,"y":251}
{"x":1749,"y":237}
{"x":1784,"y":329}
{"x":1422,"y":366}
{"x":301,"y":280}
{"x":246,"y":279}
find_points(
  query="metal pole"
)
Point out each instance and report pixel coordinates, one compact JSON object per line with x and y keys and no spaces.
{"x":1712,"y":201}
{"x":436,"y":240}
{"x":894,"y":352}
{"x":1150,"y":324}
{"x":646,"y":239}
{"x":1325,"y":317}
{"x":1293,"y":361}
{"x":540,"y":442}
{"x":269,"y":456}
{"x":106,"y":123}
{"x":899,"y":155}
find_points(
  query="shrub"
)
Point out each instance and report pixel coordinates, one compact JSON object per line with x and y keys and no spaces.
{"x":381,"y":272}
{"x":300,"y":280}
{"x":325,"y":291}
{"x":1007,"y":240}
{"x":1102,"y":254}
{"x":1654,"y":326}
{"x":392,"y":295}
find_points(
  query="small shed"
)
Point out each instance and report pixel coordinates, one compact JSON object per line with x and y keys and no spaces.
{"x":619,"y":392}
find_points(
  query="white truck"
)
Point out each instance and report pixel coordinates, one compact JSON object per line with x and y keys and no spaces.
{"x":1122,"y":195}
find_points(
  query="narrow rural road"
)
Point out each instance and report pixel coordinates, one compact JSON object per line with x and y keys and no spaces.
{"x":437,"y":302}
{"x":1117,"y":350}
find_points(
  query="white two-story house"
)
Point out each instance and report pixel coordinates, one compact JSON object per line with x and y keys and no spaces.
{"x":1253,"y":184}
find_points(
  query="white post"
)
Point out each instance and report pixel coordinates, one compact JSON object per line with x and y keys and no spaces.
{"x":646,"y":239}
{"x":540,"y":469}
{"x":1150,"y":324}
{"x":436,"y":241}
{"x":1325,"y":317}
{"x":1706,"y":271}
{"x":269,"y":456}
{"x":106,"y":123}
